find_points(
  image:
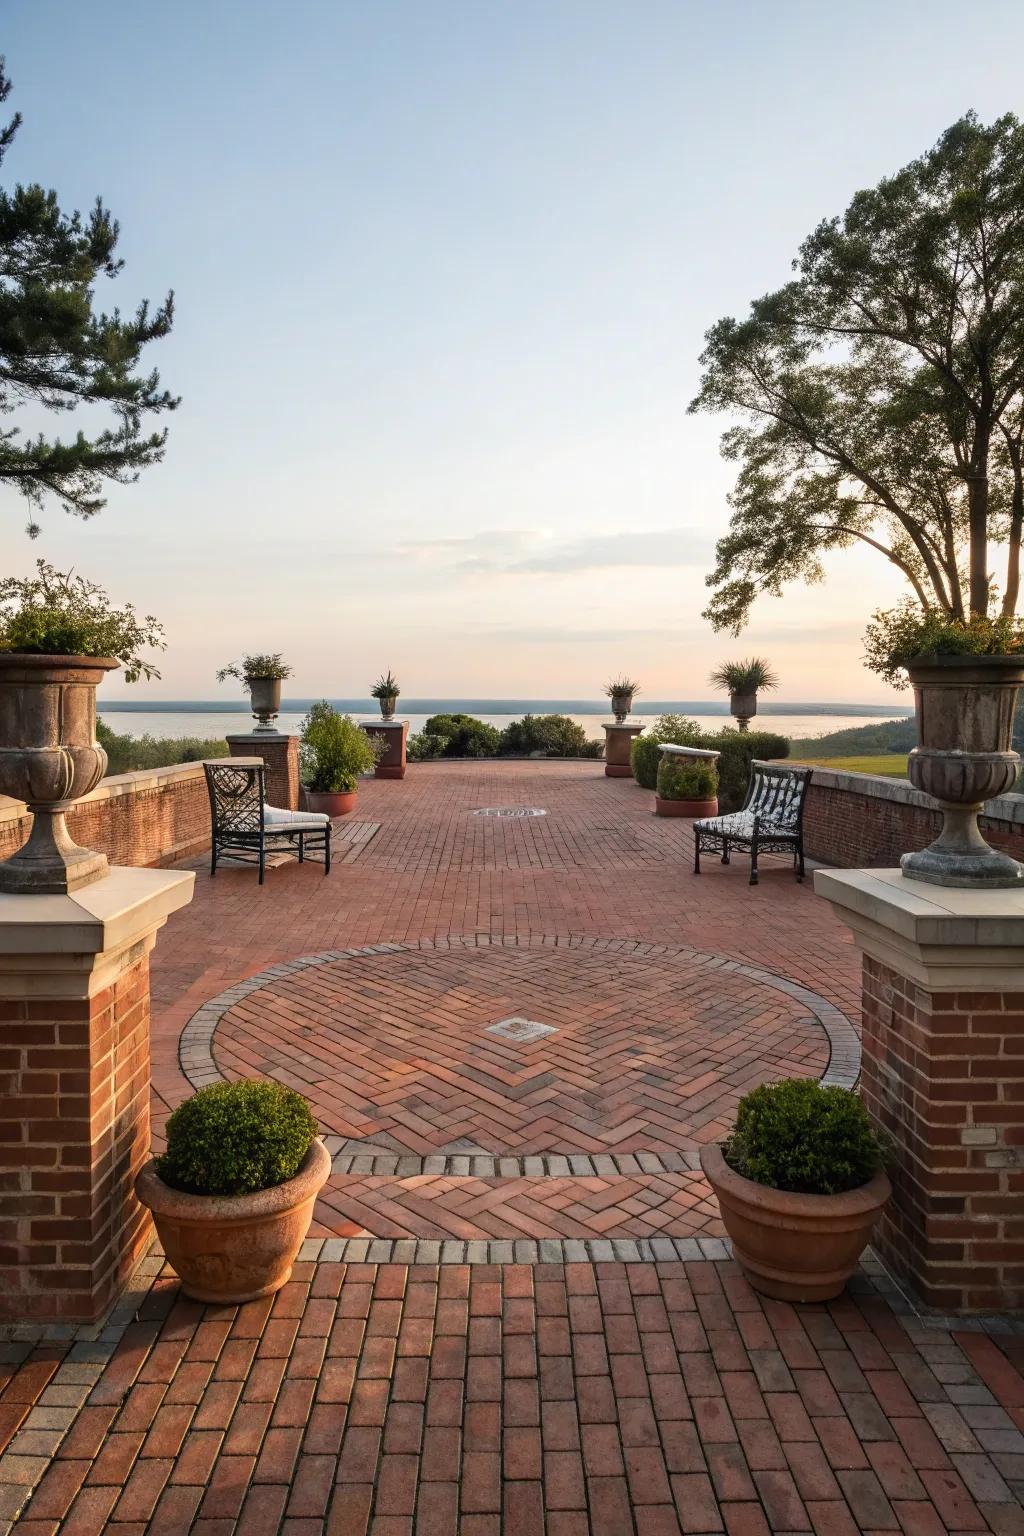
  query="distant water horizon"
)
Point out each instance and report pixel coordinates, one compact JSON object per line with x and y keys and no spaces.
{"x":212,"y":719}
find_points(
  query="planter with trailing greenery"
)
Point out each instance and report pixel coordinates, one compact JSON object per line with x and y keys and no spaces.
{"x":262,"y":675}
{"x":58,"y":636}
{"x":742,"y":681}
{"x":386,"y":690}
{"x":621,"y":690}
{"x":965,"y":677}
{"x":232,"y":1197}
{"x":800,"y":1184}
{"x":687,"y":782}
{"x":645,"y":750}
{"x":333,"y":755}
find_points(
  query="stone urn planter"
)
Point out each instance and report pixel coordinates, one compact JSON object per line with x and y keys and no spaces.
{"x":265,"y":694}
{"x":339,"y":803}
{"x":622,"y":704}
{"x":234,"y":1248}
{"x":743,"y":708}
{"x":49,"y":757}
{"x":794,"y":1247}
{"x":965,"y":708}
{"x":387,"y":706}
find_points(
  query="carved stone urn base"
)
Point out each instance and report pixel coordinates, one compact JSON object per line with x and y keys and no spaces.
{"x":50,"y":864}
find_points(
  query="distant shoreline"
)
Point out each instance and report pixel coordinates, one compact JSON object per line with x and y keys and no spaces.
{"x":512,"y":707}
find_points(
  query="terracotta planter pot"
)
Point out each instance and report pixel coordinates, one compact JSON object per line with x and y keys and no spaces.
{"x":331,"y":805}
{"x":234,"y":1248}
{"x":794,"y":1247}
{"x":265,"y":694}
{"x":691,"y":808}
{"x":965,"y":707}
{"x":49,"y":757}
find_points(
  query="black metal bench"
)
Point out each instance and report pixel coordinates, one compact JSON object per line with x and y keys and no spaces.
{"x":769,"y":821}
{"x":246,"y":828}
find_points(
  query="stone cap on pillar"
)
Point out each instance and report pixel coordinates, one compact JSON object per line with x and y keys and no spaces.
{"x":625,"y":725}
{"x":385,"y":725}
{"x":260,"y":737}
{"x":947,"y":939}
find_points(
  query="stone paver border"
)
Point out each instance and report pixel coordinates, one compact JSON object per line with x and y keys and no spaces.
{"x":195,"y":1046}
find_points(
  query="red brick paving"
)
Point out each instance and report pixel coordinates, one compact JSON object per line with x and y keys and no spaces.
{"x":623,"y":1400}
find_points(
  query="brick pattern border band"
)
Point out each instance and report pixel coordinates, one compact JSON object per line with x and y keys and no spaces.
{"x":195,"y":1046}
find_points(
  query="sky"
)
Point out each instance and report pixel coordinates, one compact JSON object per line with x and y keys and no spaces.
{"x":442,"y":271}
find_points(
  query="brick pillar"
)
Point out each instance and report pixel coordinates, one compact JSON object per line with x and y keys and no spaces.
{"x":74,"y":1090}
{"x":618,"y":740}
{"x":943,"y":1076}
{"x":281,"y":756}
{"x":393,"y":734}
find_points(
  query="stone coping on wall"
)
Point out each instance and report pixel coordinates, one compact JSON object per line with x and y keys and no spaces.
{"x":1005,"y":808}
{"x":116,"y":785}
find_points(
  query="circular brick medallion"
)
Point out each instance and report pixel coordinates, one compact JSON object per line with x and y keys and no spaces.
{"x":647,"y":1048}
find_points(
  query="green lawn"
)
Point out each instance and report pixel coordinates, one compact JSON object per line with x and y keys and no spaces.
{"x":891,"y":764}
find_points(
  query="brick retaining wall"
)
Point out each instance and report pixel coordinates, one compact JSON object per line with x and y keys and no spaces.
{"x":149,"y":818}
{"x":860,"y":821}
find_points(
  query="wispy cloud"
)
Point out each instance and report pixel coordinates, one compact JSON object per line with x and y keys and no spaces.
{"x":520,"y":551}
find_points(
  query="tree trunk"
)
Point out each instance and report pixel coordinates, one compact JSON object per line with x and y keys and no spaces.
{"x":978,"y":505}
{"x":1012,"y":592}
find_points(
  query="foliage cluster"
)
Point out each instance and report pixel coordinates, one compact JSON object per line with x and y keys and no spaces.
{"x":645,"y":752}
{"x":333,"y":751}
{"x":56,"y":613}
{"x":551,"y":735}
{"x":126,"y":754}
{"x":798,"y":1136}
{"x":897,"y":635}
{"x":695,"y":780}
{"x":453,"y":736}
{"x":237,"y":1138}
{"x":259,"y":668}
{"x":386,"y":687}
{"x":622,"y":687}
{"x":738,"y":750}
{"x":744,"y":677}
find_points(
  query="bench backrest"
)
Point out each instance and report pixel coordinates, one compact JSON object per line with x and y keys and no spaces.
{"x":777,"y":794}
{"x":236,"y":796}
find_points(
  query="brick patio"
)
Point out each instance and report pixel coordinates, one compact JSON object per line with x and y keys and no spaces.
{"x":416,"y":1376}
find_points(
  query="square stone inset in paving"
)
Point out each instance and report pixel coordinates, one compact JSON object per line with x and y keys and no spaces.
{"x":517,"y":1028}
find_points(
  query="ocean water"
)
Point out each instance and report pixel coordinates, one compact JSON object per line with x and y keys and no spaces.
{"x":208,"y":721}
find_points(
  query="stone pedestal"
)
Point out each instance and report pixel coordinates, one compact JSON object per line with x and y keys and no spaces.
{"x":281,"y":756}
{"x":943,"y":1076}
{"x":618,"y":739}
{"x":394,"y":733}
{"x":74,"y":1090}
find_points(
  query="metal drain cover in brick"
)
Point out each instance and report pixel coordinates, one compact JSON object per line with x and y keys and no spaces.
{"x":510,"y":810}
{"x":518,"y":1028}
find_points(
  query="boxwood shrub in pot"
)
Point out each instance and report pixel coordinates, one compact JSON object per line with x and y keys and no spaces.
{"x":233,"y":1195}
{"x":800,"y":1184}
{"x":333,"y":754}
{"x":686,"y":788}
{"x":645,"y":751}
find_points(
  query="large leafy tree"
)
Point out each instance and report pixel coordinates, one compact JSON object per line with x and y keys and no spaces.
{"x":58,"y":352}
{"x":880,"y":393}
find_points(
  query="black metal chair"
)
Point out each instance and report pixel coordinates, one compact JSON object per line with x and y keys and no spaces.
{"x":769,"y":821}
{"x":246,"y":828}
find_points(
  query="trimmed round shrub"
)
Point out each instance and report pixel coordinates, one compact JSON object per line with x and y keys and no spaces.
{"x":454,"y":736}
{"x":645,"y":752}
{"x":687,"y":781}
{"x":237,"y":1138}
{"x":554,"y":735}
{"x":738,"y":750}
{"x":798,"y":1136}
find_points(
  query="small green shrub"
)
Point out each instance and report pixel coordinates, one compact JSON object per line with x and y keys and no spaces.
{"x":645,"y":753}
{"x":236,"y":1138}
{"x":454,"y":736}
{"x":554,"y":735}
{"x":738,"y":750}
{"x":334,"y":752}
{"x":896,"y":635}
{"x":798,"y":1136}
{"x":126,"y":754}
{"x":256,"y":669}
{"x":687,"y":781}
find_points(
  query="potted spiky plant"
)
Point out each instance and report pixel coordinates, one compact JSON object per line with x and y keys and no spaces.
{"x":621,"y":690}
{"x":742,"y":681}
{"x":58,"y":636}
{"x":386,"y":690}
{"x":800,"y":1184}
{"x":232,"y":1197}
{"x":262,"y":675}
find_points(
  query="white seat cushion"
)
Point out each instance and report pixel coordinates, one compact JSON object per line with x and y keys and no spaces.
{"x":277,"y":819}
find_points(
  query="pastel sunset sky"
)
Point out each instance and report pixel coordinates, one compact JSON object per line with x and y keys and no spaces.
{"x":442,"y":272}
